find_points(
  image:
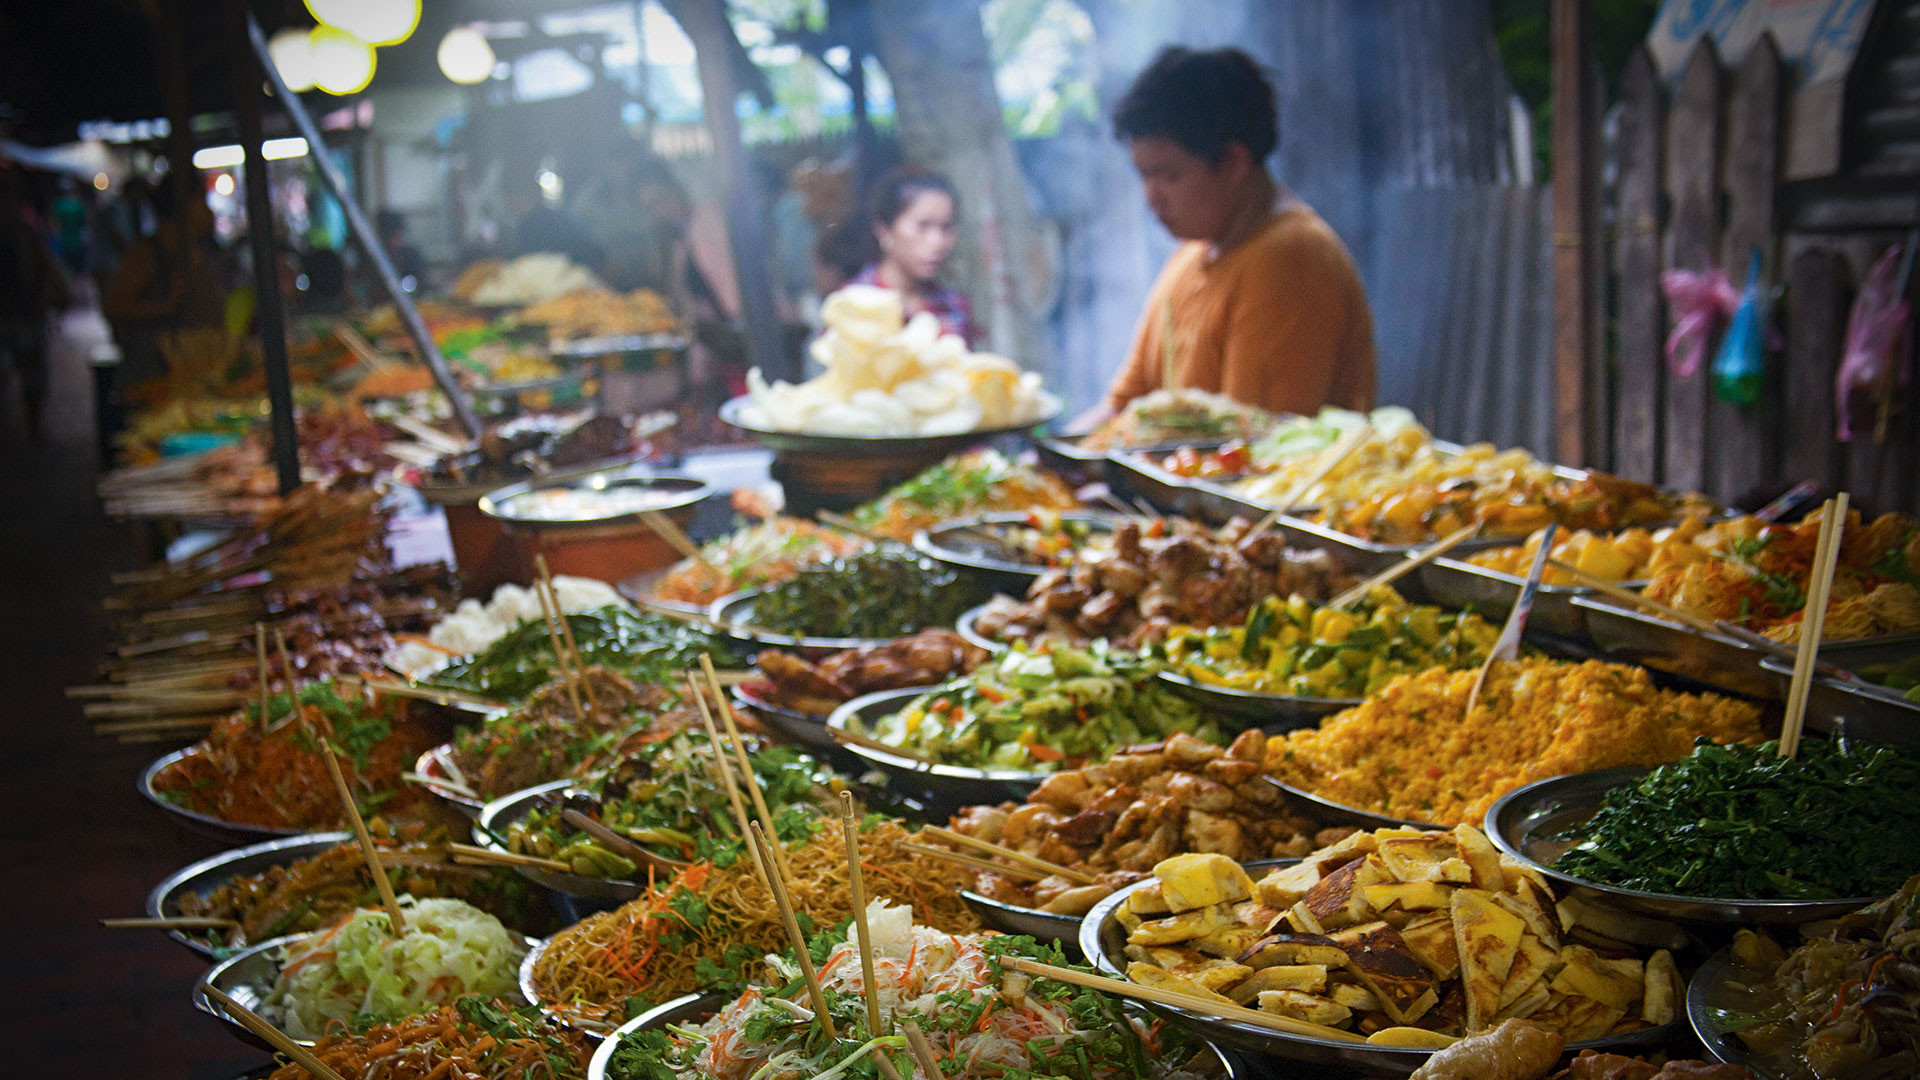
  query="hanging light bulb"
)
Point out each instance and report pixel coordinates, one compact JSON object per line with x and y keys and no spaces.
{"x":292,"y":53}
{"x":376,"y":22}
{"x":342,"y":63}
{"x":465,"y":56}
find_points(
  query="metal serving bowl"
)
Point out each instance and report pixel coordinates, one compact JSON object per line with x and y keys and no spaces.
{"x":432,"y":767}
{"x":248,"y":977}
{"x":698,"y":1008}
{"x":734,"y":615}
{"x":1270,"y":712}
{"x":960,"y":544}
{"x":1521,"y":821}
{"x":220,"y":829}
{"x":1327,"y":812}
{"x":502,"y":813}
{"x":210,"y":873}
{"x":1104,"y":940}
{"x":1042,"y":926}
{"x":1461,"y":584}
{"x":685,"y":491}
{"x":879,"y":446}
{"x":967,"y":627}
{"x":946,"y":787}
{"x":807,"y":730}
{"x":1719,"y":661}
{"x":1702,"y":1014}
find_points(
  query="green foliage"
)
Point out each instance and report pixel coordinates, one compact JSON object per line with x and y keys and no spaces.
{"x":1523,"y":34}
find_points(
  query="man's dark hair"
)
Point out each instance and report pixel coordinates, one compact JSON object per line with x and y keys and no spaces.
{"x":1201,"y":99}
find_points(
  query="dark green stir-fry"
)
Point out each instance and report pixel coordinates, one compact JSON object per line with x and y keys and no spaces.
{"x":884,"y":591}
{"x":1741,"y":822}
{"x":646,"y":648}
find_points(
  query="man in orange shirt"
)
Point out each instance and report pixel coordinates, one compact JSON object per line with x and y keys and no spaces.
{"x":1261,"y":303}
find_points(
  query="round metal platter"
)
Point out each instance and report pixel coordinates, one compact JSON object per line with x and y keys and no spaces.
{"x":431,"y":767}
{"x":947,"y":786}
{"x":966,"y":628}
{"x":1519,"y":823}
{"x":1721,"y":1044}
{"x":1328,"y":812}
{"x":1043,"y":926}
{"x":210,"y":873}
{"x":808,"y":730}
{"x":882,"y":446}
{"x":248,"y":977}
{"x":698,"y":1008}
{"x":1271,"y":712}
{"x":735,"y":610}
{"x":227,"y":832}
{"x":686,"y":491}
{"x":960,"y":544}
{"x":500,"y":814}
{"x":1103,"y":941}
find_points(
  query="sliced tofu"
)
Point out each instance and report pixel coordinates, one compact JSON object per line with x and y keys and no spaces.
{"x":1526,"y":1004}
{"x":1354,"y":996}
{"x":1380,"y":959}
{"x":1577,"y":1017}
{"x":1340,"y":898}
{"x":1149,"y":901}
{"x":1481,"y":857}
{"x":1660,"y":989}
{"x":1277,"y":949}
{"x":1585,"y":973}
{"x":1212,"y":972}
{"x":1283,"y":888}
{"x":1161,"y":979}
{"x":1302,"y":920}
{"x":1487,"y":936}
{"x":1127,"y":919}
{"x":1535,"y":906}
{"x":1532,"y":962}
{"x":1198,"y":880}
{"x":1307,"y":978}
{"x":1419,"y":858}
{"x":1174,"y":929}
{"x":1517,"y":871}
{"x":1431,"y":939}
{"x":1410,"y":896}
{"x":1312,"y":1008}
{"x":1230,"y":942}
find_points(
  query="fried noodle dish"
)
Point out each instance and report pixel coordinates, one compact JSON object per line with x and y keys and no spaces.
{"x":474,"y":1039}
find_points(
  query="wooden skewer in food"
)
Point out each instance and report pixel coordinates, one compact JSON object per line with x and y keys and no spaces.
{"x":725,"y":773}
{"x":677,"y":539}
{"x":479,"y":856}
{"x":1405,"y":566}
{"x":1331,"y":458}
{"x":560,"y":665}
{"x":278,"y":1039}
{"x":1813,"y":621}
{"x":973,"y":862}
{"x":784,"y":900}
{"x":854,"y":738}
{"x":847,"y":525}
{"x":566,"y":629}
{"x":171,"y":922}
{"x":260,"y":656}
{"x":437,"y":694}
{"x":1286,"y":1025}
{"x":922,"y":1050}
{"x":724,"y":707}
{"x":620,"y":845}
{"x":856,"y":885}
{"x":708,"y":622}
{"x":372,"y":854}
{"x":1033,"y":862}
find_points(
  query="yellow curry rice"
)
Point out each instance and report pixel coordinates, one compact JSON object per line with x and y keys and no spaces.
{"x":1409,"y":753}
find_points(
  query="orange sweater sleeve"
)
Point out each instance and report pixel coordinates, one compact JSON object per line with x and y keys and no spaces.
{"x":1287,"y":328}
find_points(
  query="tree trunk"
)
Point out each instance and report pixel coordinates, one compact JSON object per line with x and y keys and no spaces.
{"x":950,"y":121}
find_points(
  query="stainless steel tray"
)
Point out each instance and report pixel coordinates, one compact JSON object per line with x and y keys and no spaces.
{"x":193,"y":821}
{"x":735,"y":610}
{"x":1461,"y":584}
{"x":1103,"y":940}
{"x":1721,"y":1044}
{"x":687,"y":490}
{"x":877,"y":446}
{"x":1857,"y":710}
{"x":1042,"y":926}
{"x":1327,"y":812}
{"x":946,"y":788}
{"x":210,"y":873}
{"x":1715,"y":660}
{"x":1519,"y":823}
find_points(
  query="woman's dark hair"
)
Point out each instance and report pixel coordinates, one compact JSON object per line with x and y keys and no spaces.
{"x":1203,"y":100}
{"x":890,"y":197}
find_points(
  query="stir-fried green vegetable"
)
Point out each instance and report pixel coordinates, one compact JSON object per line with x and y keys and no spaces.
{"x":1058,"y":708}
{"x":883,"y":591}
{"x":648,"y":648}
{"x":1742,"y":822}
{"x":665,"y":796}
{"x":1300,"y":649}
{"x":1902,"y":675}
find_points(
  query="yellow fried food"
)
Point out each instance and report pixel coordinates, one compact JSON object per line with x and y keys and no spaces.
{"x":1628,"y":555}
{"x":1409,"y":752}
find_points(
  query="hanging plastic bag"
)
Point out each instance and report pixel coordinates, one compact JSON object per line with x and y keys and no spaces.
{"x":1740,"y":369}
{"x":1879,"y":347}
{"x":1701,"y":302}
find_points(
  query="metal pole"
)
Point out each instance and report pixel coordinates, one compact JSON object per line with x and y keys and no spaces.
{"x":273,"y":323}
{"x":363,"y":233}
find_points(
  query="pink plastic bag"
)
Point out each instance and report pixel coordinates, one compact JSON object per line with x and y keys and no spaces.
{"x":1879,"y":348}
{"x":1701,"y":302}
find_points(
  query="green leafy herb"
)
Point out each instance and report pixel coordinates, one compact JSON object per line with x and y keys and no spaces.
{"x":878,"y":592}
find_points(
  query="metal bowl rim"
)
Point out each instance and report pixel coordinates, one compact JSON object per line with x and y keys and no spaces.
{"x":1253,"y":697}
{"x":175,"y":883}
{"x":924,"y":539}
{"x":1719,"y":1044}
{"x":1382,"y":821}
{"x":483,"y":835}
{"x":729,"y":412}
{"x":436,"y":756}
{"x":160,"y":764}
{"x":852,"y":709}
{"x":717,"y":611}
{"x":493,"y":503}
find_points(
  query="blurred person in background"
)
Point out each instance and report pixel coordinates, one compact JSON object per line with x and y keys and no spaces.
{"x":166,"y":282}
{"x":1262,"y":302}
{"x":539,"y":226}
{"x":408,"y":264}
{"x":701,"y":283}
{"x":31,"y":288}
{"x":72,"y":229}
{"x":912,"y":222}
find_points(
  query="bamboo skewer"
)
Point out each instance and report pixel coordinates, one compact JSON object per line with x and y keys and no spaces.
{"x":973,"y":862}
{"x":566,"y":629}
{"x":856,"y":884}
{"x":1813,"y":621}
{"x":620,"y":845}
{"x":785,"y":902}
{"x":171,"y":922}
{"x":1166,"y":342}
{"x":469,"y":854}
{"x":1332,"y":457}
{"x":1405,"y":566}
{"x":437,"y":694}
{"x":260,"y":658}
{"x":854,"y":738}
{"x":847,"y":525}
{"x":726,"y":777}
{"x":280,"y":1041}
{"x":724,"y":707}
{"x":1032,"y":862}
{"x":374,"y":866}
{"x":677,"y":539}
{"x":922,"y":1050}
{"x":560,"y":656}
{"x":1286,"y":1025}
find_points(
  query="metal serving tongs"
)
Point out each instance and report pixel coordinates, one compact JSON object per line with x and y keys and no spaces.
{"x":1507,"y":646}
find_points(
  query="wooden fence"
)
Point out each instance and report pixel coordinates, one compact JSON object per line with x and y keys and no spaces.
{"x":1698,"y":187}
